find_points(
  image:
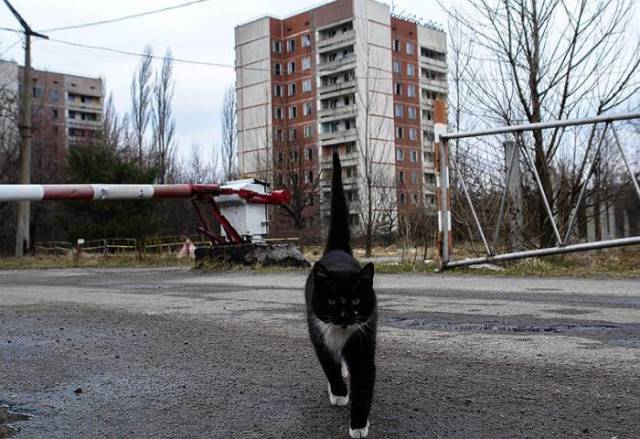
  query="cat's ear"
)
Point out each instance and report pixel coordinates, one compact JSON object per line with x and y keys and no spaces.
{"x":366,"y":274}
{"x":320,"y":271}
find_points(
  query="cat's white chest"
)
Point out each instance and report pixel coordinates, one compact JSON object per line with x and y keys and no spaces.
{"x":334,"y":337}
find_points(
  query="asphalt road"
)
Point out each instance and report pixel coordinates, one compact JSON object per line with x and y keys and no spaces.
{"x":174,"y":353}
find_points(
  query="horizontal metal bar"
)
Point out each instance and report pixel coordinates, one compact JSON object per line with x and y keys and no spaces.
{"x":543,"y":125}
{"x":585,"y":246}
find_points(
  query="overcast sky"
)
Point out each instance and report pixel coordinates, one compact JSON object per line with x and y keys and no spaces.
{"x":203,"y":31}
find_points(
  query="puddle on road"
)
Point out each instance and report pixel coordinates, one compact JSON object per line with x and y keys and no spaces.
{"x":7,"y":418}
{"x":493,"y":326}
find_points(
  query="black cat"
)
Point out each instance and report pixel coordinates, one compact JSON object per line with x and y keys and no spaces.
{"x":342,"y":316}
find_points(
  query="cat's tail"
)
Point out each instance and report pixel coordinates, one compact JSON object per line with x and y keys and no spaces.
{"x":339,"y":226}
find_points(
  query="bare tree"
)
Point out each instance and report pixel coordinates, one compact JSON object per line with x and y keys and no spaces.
{"x":111,"y":125}
{"x":199,"y":170}
{"x":163,"y":122}
{"x":537,"y":60}
{"x":229,"y":143}
{"x":141,"y":90}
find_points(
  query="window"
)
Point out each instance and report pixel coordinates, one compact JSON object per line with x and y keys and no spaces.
{"x":55,"y":113}
{"x":306,"y":63}
{"x":293,"y":178}
{"x":277,"y":46}
{"x":37,"y":92}
{"x":292,"y":89}
{"x":413,"y":113}
{"x":293,"y":112}
{"x":401,"y":177}
{"x":396,"y":66}
{"x":306,"y":85}
{"x":399,"y":133}
{"x":280,"y":157}
{"x":277,"y":90}
{"x":399,"y":111}
{"x":396,"y":45}
{"x":279,"y":115}
{"x":428,"y":156}
{"x":413,"y":134}
{"x":278,"y":134}
{"x":291,"y":67}
{"x":414,"y":156}
{"x":402,"y":197}
{"x":291,"y":45}
{"x":398,"y":89}
{"x":293,"y":135}
{"x":306,"y":40}
{"x":308,"y":131}
{"x":410,"y":48}
{"x":55,"y":95}
{"x":277,"y":69}
{"x":411,"y":70}
{"x":308,"y":177}
{"x":308,"y":153}
{"x":414,"y":180}
{"x":411,"y":90}
{"x":399,"y":154}
{"x":307,"y":108}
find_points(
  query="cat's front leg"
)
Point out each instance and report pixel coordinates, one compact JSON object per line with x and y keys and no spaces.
{"x":363,"y":375}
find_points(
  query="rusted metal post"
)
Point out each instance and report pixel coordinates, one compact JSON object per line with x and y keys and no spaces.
{"x":443,"y":198}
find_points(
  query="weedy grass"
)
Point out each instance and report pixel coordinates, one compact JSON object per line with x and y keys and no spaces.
{"x":611,"y":263}
{"x":94,"y":261}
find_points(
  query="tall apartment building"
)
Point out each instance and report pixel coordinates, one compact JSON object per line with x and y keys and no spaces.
{"x":67,"y":109}
{"x":346,"y":76}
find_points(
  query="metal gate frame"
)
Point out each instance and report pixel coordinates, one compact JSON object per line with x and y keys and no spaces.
{"x":444,"y":158}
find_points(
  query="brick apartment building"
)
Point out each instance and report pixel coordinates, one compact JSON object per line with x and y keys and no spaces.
{"x":67,"y":110}
{"x":347,"y":76}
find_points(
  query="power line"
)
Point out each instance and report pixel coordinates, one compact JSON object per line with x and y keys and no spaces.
{"x":138,"y":54}
{"x":126,"y":17}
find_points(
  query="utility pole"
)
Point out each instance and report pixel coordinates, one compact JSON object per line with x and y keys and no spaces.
{"x":23,"y":213}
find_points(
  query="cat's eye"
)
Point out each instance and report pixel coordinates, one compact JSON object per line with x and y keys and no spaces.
{"x":331,"y":301}
{"x":355,"y":300}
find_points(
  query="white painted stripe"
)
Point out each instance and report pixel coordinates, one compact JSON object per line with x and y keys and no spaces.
{"x":440,"y":221}
{"x":21,"y":192}
{"x":122,"y":191}
{"x":449,"y":220}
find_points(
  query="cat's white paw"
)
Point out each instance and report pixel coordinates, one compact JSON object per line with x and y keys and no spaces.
{"x":337,"y":400}
{"x":359,"y":432}
{"x":345,"y":370}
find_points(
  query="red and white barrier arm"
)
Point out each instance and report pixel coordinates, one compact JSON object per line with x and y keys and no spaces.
{"x":57,"y":192}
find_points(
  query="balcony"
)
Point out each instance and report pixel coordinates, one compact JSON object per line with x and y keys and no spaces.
{"x":335,"y":42}
{"x":345,"y":112}
{"x":79,"y":123}
{"x":347,"y":182}
{"x":437,"y":85}
{"x":345,"y":159}
{"x":433,"y":64}
{"x":338,"y":88}
{"x":331,"y":138}
{"x":339,"y":64}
